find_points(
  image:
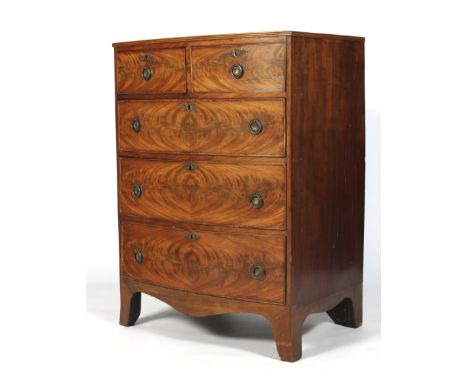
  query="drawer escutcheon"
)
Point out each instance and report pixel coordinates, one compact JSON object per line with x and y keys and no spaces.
{"x":190,"y":166}
{"x":192,"y":236}
{"x":236,"y":52}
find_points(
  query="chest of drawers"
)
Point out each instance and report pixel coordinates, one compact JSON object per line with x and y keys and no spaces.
{"x":241,"y":177}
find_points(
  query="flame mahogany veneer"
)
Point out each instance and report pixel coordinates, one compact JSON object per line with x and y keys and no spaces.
{"x":241,"y":177}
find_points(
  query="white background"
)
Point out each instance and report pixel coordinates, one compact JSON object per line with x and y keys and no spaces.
{"x":58,"y":211}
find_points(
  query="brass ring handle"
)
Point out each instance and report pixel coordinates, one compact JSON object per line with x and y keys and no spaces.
{"x":256,"y":200}
{"x":258,"y":272}
{"x":146,"y":73}
{"x":137,"y":190}
{"x":138,"y":256}
{"x":255,"y":126}
{"x":237,"y":71}
{"x":136,"y":125}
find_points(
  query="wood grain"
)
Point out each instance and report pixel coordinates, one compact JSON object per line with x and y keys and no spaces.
{"x":214,"y":193}
{"x":264,"y":66}
{"x":190,"y":157}
{"x":212,"y":127}
{"x":205,"y":95}
{"x":218,"y":264}
{"x":327,"y":158}
{"x":202,"y":43}
{"x":202,"y":227}
{"x":168,"y":66}
{"x":222,"y":38}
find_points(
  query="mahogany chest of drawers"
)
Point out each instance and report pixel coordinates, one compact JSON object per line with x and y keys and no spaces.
{"x":241,"y":177}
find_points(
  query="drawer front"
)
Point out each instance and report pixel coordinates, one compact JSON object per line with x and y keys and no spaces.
{"x":204,"y":127}
{"x":204,"y":192}
{"x":154,"y":71}
{"x":248,"y":68}
{"x":249,"y":267}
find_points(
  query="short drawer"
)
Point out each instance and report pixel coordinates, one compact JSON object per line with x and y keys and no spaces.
{"x":249,"y":195}
{"x":250,"y":267}
{"x":153,"y":71}
{"x":241,"y":68}
{"x":203,"y":127}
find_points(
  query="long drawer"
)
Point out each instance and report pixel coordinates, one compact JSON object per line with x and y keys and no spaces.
{"x":227,"y":127}
{"x":249,"y":195}
{"x":250,"y":267}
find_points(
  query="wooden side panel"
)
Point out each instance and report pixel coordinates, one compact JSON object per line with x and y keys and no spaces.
{"x":167,"y":67}
{"x":327,"y":111}
{"x":217,"y":264}
{"x":212,"y":193}
{"x":209,"y":127}
{"x":264,"y":68}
